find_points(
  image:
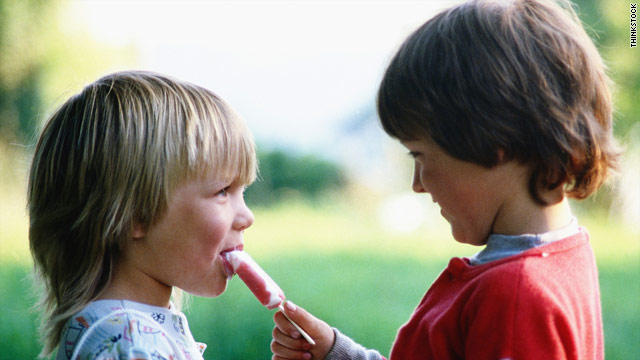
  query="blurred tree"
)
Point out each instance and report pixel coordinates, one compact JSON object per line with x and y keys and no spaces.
{"x":607,"y":22}
{"x":46,"y":53}
{"x":283,"y":175}
{"x":22,"y":62}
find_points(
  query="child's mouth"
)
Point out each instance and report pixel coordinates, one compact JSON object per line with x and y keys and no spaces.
{"x":228,"y":268}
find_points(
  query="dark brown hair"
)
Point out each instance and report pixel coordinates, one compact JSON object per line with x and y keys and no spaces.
{"x":521,"y":76}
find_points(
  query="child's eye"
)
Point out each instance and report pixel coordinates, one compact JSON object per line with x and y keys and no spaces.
{"x":224,"y":192}
{"x":414,"y":154}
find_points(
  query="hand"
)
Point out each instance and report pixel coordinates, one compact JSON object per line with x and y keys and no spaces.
{"x":289,"y":344}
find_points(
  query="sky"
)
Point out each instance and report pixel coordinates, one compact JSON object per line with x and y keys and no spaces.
{"x":298,"y":72}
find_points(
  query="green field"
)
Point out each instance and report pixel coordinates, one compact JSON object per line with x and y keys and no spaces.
{"x":337,"y":262}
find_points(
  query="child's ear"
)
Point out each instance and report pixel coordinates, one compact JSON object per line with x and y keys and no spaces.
{"x":139,"y":230}
{"x":552,"y":196}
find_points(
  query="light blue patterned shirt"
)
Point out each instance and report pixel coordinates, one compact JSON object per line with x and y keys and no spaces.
{"x":121,"y":329}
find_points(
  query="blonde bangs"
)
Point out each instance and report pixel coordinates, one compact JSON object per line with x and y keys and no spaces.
{"x":217,"y":141}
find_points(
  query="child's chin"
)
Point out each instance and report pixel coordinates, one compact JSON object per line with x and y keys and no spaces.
{"x":212,"y":291}
{"x":219,"y":292}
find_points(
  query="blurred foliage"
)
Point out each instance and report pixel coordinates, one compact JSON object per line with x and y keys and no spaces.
{"x":40,"y":45}
{"x":284,"y":175}
{"x":341,"y":264}
{"x":46,"y":53}
{"x":22,"y":62}
{"x":607,"y":22}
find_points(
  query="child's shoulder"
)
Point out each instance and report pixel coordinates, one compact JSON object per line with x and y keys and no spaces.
{"x":539,"y":275}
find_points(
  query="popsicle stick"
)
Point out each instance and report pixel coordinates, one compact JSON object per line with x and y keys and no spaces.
{"x":302,"y":332}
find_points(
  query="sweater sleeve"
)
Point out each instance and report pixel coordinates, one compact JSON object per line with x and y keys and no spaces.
{"x":346,"y":349}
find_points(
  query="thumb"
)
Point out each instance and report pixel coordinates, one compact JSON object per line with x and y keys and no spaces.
{"x":319,"y":330}
{"x":300,"y":316}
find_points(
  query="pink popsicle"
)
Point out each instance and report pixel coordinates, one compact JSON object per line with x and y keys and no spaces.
{"x":257,"y":280}
{"x":261,"y":285}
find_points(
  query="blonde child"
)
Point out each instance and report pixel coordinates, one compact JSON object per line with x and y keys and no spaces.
{"x":135,"y":189}
{"x":505,"y":108}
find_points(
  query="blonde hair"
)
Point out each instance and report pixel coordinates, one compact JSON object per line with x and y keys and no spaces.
{"x":110,"y":157}
{"x":520,"y":76}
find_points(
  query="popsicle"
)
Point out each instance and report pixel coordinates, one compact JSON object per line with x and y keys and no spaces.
{"x":261,"y":285}
{"x":259,"y":282}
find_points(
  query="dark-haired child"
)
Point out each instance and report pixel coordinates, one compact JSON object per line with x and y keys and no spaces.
{"x":505,"y":109}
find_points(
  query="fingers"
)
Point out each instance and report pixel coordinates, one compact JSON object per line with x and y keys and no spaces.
{"x":287,"y":335}
{"x":285,"y":347}
{"x":288,"y":342}
{"x":309,"y":323}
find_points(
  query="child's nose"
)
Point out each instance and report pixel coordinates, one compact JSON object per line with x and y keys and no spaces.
{"x":417,"y":184}
{"x":244,"y":217}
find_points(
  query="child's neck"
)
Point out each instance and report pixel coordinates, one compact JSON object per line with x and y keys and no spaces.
{"x":532,"y":218}
{"x":129,"y":283}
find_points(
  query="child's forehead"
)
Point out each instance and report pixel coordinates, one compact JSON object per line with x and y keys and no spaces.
{"x":218,"y":177}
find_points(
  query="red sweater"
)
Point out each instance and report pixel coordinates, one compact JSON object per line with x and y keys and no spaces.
{"x":541,"y":304}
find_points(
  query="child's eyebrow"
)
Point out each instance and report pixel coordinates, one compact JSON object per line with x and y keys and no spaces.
{"x":218,"y":183}
{"x":414,"y":154}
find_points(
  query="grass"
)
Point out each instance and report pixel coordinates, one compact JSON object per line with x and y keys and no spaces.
{"x":335,"y":259}
{"x":336,"y":262}
{"x":349,"y":293}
